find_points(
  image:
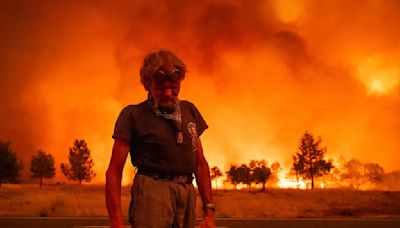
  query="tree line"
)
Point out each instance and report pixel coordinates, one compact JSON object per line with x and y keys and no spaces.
{"x":78,"y":168}
{"x":309,"y":164}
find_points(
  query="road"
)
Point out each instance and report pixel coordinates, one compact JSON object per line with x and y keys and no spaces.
{"x":31,"y":222}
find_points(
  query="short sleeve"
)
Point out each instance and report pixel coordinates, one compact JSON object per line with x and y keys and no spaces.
{"x":124,"y":126}
{"x":201,"y":123}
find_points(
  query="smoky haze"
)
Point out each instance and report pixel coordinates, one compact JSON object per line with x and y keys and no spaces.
{"x":261,"y":73}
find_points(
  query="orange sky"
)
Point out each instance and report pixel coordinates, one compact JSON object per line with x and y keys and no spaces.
{"x":261,"y":73}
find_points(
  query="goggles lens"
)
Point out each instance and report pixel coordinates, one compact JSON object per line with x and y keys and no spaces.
{"x":173,"y":76}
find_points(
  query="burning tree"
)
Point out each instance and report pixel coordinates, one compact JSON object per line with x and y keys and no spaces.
{"x":10,"y":168}
{"x":42,"y":166}
{"x":215,"y":173}
{"x":80,"y":163}
{"x":309,"y":161}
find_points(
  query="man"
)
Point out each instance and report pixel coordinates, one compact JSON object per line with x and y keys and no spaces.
{"x":162,"y":136}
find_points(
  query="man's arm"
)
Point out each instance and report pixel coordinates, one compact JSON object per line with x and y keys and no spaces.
{"x":203,"y":181}
{"x":113,"y":182}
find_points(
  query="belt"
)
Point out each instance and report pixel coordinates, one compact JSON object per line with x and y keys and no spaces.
{"x":179,"y":178}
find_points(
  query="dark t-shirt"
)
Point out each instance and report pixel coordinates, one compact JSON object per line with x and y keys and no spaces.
{"x":153,"y":139}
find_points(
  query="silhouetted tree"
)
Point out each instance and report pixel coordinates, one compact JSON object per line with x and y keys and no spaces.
{"x":233,"y":175}
{"x":309,"y":160}
{"x":215,"y":173}
{"x":10,"y":168}
{"x":80,"y":163}
{"x":42,"y":166}
{"x":261,"y":173}
{"x":244,"y":175}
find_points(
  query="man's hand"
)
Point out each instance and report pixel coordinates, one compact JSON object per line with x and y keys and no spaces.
{"x":117,"y":225}
{"x":208,"y":220}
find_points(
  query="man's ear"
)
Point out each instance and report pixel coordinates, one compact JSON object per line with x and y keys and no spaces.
{"x":147,"y":84}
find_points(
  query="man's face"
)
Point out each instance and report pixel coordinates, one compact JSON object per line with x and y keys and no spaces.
{"x":165,"y":85}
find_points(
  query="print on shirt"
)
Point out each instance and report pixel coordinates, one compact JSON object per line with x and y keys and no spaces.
{"x":192,"y":129}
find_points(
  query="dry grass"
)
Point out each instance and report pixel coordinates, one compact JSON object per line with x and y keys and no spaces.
{"x":62,"y":200}
{"x":319,"y":203}
{"x":88,"y":201}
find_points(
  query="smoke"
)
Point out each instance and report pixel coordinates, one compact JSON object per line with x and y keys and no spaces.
{"x":261,"y":73}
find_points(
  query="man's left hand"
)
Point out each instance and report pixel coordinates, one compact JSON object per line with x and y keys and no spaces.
{"x":208,"y":220}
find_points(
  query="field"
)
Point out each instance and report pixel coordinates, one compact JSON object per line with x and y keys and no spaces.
{"x":88,"y":201}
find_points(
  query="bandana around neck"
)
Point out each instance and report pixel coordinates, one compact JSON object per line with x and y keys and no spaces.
{"x":175,"y":115}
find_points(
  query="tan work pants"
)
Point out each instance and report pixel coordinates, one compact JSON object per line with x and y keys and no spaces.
{"x":161,"y":203}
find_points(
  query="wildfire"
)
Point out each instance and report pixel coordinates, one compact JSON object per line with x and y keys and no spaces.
{"x":285,"y":182}
{"x":261,"y":73}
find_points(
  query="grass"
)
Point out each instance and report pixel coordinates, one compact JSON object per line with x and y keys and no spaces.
{"x":88,"y":201}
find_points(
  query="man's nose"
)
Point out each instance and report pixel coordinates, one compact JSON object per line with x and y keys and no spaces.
{"x":167,"y":92}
